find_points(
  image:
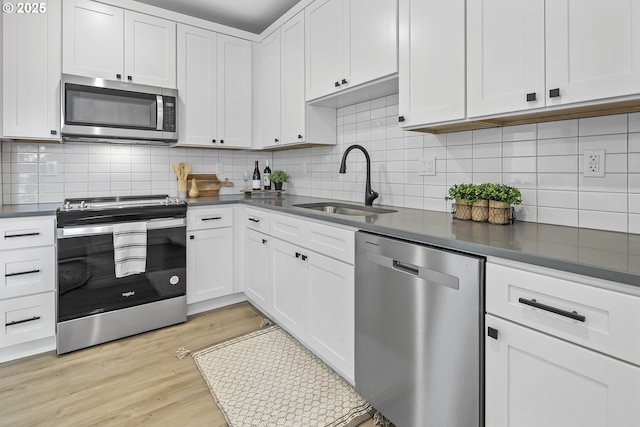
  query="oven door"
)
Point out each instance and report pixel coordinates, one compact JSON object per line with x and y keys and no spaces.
{"x":87,"y":283}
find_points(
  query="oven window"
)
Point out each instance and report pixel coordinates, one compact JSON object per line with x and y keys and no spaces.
{"x":89,"y":106}
{"x":86,"y":273}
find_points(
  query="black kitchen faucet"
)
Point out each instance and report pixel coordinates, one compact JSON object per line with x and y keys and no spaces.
{"x":369,"y":194}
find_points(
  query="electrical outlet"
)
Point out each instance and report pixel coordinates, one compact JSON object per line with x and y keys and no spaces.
{"x":52,"y":167}
{"x":594,"y":163}
{"x":219,"y":168}
{"x":427,"y":166}
{"x":305,"y":167}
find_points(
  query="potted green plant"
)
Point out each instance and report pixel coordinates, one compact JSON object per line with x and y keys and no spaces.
{"x":480,"y":208}
{"x":501,"y":199}
{"x":278,"y":177}
{"x":464,"y":195}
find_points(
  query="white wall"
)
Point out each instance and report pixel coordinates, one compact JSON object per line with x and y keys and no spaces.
{"x":543,"y":160}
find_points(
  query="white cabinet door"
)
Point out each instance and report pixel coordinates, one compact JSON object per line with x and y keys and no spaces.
{"x":593,"y":49}
{"x":371,"y":49}
{"x":505,"y":45}
{"x":27,"y":318}
{"x":432,"y":61}
{"x":288,"y":283}
{"x":257,"y":268}
{"x":292,"y":100}
{"x":535,"y":380}
{"x":325,"y":36}
{"x":330,"y":314}
{"x":197,"y":85}
{"x":209,"y":264}
{"x":31,"y":73}
{"x":93,"y":39}
{"x":149,"y":50}
{"x":270,"y":73}
{"x":234,"y":92}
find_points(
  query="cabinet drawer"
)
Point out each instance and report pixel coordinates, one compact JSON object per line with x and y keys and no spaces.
{"x":27,"y":271}
{"x":27,"y":318}
{"x":256,"y":220}
{"x":326,"y":239}
{"x":207,"y":218}
{"x":610,"y":318}
{"x":16,"y":233}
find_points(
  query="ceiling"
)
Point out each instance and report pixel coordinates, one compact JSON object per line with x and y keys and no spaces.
{"x":249,"y":15}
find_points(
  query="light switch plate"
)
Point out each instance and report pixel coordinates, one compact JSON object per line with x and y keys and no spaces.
{"x":427,"y":166}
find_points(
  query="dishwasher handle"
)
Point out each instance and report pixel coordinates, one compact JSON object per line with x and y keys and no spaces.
{"x":406,"y":268}
{"x":419,"y":272}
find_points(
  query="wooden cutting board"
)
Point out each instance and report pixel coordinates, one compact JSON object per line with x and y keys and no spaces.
{"x":208,"y":183}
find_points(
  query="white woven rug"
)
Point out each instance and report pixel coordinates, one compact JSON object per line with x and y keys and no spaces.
{"x":267,"y":378}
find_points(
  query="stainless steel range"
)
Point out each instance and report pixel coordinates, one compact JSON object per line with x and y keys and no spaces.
{"x":121,"y":268}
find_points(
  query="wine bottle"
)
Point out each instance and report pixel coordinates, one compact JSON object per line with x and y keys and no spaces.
{"x":257,"y":183}
{"x":266,"y":180}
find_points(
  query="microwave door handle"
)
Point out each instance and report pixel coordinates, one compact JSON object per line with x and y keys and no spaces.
{"x":160,"y":106}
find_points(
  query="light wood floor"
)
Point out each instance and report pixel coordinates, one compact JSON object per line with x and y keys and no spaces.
{"x":135,"y":381}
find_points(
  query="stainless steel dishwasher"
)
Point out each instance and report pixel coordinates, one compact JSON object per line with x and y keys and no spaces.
{"x":418,"y":320}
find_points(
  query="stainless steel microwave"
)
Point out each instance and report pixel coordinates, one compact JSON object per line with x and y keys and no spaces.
{"x":102,"y":110}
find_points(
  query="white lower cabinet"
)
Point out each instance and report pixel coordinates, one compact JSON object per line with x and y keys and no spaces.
{"x":289,"y":276}
{"x":560,"y":349}
{"x":27,"y":288}
{"x":209,"y":253}
{"x":257,"y":268}
{"x":312,"y":294}
{"x":330,"y":312}
{"x":533,"y":380}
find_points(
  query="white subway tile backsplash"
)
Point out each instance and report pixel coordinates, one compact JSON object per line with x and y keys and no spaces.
{"x":611,"y":221}
{"x":558,"y":199}
{"x":519,"y":133}
{"x":544,"y":160}
{"x":558,"y":216}
{"x":604,"y":125}
{"x":558,"y":164}
{"x":557,"y":146}
{"x":519,"y":164}
{"x":611,"y":202}
{"x":610,"y":143}
{"x":558,"y":129}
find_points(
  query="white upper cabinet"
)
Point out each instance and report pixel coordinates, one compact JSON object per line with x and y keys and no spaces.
{"x":593,"y":49}
{"x":292,"y":99}
{"x":432,"y":61}
{"x":270,"y":73}
{"x":234,"y":91}
{"x":107,"y":42}
{"x":214,"y":89}
{"x":282,"y":114}
{"x":197,"y":85}
{"x":149,"y":50}
{"x":529,"y":54}
{"x":31,"y":73}
{"x":348,"y":43}
{"x":505,"y":56}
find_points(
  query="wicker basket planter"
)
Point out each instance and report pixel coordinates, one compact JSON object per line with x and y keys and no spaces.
{"x":480,"y":211}
{"x":463,"y":210}
{"x":499,"y":212}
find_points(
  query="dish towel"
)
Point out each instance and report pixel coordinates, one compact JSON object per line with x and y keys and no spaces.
{"x":130,"y":248}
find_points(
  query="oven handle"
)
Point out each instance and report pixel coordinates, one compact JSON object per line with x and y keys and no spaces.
{"x":154,"y":224}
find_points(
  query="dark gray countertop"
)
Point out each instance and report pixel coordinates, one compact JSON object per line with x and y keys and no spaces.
{"x":36,"y":209}
{"x":602,"y":254}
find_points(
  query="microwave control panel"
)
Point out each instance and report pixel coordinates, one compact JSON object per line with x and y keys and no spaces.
{"x":169,"y":124}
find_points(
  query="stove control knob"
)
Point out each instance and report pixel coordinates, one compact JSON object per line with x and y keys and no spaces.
{"x":83,"y":204}
{"x":67,"y":205}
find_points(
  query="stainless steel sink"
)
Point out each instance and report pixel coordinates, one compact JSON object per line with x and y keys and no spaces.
{"x":345,"y":209}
